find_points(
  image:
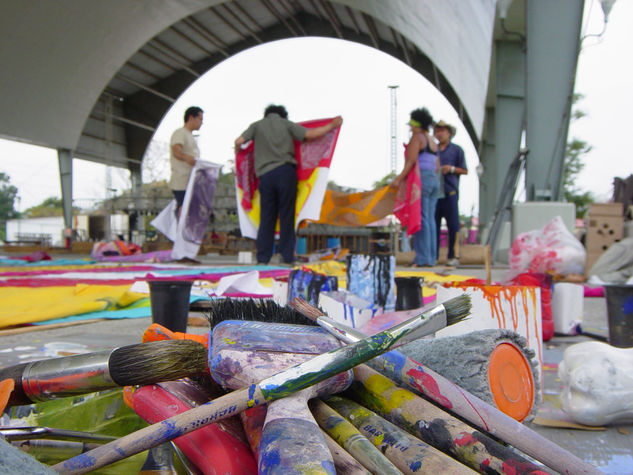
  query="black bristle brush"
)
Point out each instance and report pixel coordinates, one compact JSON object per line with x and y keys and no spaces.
{"x":139,"y":364}
{"x":259,"y":310}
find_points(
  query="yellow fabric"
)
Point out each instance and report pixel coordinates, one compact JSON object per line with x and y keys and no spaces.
{"x":35,"y":304}
{"x":304,"y":188}
{"x":357,"y":209}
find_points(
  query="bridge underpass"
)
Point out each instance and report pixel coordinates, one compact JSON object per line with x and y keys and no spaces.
{"x":98,"y":77}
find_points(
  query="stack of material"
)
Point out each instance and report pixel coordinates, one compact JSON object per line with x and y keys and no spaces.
{"x":605,"y":226}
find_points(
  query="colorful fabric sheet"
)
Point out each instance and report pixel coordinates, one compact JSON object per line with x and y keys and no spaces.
{"x":357,"y":209}
{"x":188,"y":232}
{"x":313,"y":164}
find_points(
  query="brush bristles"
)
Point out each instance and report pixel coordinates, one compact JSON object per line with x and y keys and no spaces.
{"x":305,"y":309}
{"x":457,"y":309}
{"x":259,"y":310}
{"x":153,"y":362}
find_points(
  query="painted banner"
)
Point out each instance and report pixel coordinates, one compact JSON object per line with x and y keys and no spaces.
{"x":188,"y":232}
{"x":313,"y":165}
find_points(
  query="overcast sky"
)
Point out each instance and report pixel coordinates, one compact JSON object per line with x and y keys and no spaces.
{"x":326,"y":77}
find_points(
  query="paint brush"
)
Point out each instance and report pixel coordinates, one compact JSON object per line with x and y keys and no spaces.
{"x":269,"y":389}
{"x":436,"y":427}
{"x":244,"y":352}
{"x":139,"y":364}
{"x":408,"y":453}
{"x":426,"y":382}
{"x":348,"y":437}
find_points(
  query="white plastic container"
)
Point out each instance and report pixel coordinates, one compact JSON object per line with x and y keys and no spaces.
{"x":567,"y":307}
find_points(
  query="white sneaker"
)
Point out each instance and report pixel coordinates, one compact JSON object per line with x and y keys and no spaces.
{"x":453,"y":262}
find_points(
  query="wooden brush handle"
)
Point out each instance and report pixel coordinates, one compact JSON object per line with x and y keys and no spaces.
{"x":164,"y":431}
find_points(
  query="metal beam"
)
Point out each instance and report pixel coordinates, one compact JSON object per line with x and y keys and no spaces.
{"x":553,"y":39}
{"x":239,"y":19}
{"x":131,"y":81}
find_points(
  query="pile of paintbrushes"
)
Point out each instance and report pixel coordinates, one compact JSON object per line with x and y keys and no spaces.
{"x":379,"y":423}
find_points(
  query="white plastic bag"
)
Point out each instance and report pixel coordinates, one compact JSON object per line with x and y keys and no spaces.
{"x":552,"y":249}
{"x":597,"y":383}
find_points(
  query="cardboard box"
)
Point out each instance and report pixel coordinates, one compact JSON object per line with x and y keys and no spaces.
{"x":606,"y":209}
{"x":605,"y":227}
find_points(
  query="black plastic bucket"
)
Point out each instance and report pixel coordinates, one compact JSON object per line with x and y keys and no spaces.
{"x":170,"y":303}
{"x":620,"y":315}
{"x":408,"y":293}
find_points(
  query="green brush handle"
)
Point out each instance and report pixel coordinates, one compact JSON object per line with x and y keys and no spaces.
{"x":277,"y":386}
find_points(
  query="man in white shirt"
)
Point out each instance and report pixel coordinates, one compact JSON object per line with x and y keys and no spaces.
{"x":183,"y":153}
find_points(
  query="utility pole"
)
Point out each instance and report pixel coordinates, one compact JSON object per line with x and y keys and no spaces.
{"x":394,"y":126}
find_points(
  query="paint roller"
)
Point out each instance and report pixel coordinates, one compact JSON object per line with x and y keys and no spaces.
{"x":495,"y":365}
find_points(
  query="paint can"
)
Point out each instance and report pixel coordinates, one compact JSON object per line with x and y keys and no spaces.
{"x":620,"y":315}
{"x":408,"y":293}
{"x":567,"y":307}
{"x":169,"y":300}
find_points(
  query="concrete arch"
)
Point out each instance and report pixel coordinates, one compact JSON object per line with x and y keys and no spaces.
{"x":99,"y":76}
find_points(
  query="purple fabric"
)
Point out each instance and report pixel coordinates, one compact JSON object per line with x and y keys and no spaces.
{"x":155,"y":256}
{"x":201,"y":204}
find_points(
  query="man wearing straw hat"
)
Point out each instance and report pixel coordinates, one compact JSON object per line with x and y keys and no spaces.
{"x":452,"y":165}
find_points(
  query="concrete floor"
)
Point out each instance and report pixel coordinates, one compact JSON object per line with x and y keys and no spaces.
{"x":611,"y":450}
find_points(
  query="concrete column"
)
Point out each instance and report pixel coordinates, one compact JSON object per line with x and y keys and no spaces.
{"x":487,"y":183}
{"x":136,"y":222}
{"x":65,"y":158}
{"x":553,"y":38}
{"x":504,"y":124}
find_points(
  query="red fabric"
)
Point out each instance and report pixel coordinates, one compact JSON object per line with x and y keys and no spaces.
{"x":408,"y":205}
{"x":309,"y":155}
{"x":34,"y":257}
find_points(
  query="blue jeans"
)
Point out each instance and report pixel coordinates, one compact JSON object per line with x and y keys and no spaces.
{"x":424,"y":241}
{"x":447,"y":209}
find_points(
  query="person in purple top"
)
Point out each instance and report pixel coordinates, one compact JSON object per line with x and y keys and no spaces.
{"x":422,"y":153}
{"x":452,"y":165}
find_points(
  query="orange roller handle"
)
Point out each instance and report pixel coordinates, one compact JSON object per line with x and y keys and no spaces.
{"x":6,"y":388}
{"x":157,"y":332}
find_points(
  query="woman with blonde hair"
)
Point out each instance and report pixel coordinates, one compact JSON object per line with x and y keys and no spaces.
{"x":422,"y":152}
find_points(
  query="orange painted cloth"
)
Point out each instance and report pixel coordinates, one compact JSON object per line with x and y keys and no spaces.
{"x":357,"y":209}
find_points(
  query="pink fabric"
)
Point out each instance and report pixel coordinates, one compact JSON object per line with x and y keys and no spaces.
{"x":594,"y":291}
{"x":408,"y":205}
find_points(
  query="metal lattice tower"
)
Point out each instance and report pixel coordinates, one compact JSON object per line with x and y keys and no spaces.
{"x":394,"y":128}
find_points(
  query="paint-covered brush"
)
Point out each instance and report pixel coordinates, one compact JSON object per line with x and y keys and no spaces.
{"x":275,"y":387}
{"x":344,"y":463}
{"x":216,"y":448}
{"x":424,"y":381}
{"x":139,"y":364}
{"x":348,"y":436}
{"x":436,"y":427}
{"x":244,"y":352}
{"x":408,"y":453}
